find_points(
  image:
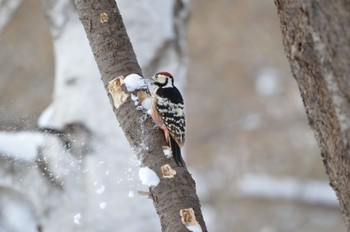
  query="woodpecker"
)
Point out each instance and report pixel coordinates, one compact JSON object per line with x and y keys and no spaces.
{"x":167,"y":110}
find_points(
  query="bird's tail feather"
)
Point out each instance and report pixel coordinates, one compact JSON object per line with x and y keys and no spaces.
{"x":176,"y":150}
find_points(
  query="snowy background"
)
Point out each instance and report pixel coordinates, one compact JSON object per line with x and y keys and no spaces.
{"x":249,"y":148}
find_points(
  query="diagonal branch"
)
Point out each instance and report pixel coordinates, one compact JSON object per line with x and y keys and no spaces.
{"x":174,"y":198}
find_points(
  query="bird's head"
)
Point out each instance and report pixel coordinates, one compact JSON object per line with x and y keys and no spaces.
{"x":164,"y":79}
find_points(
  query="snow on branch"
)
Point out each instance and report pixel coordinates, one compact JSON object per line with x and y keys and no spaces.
{"x":134,"y":82}
{"x":148,"y":177}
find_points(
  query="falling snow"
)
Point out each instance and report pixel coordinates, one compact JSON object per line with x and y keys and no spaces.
{"x":103,"y":205}
{"x":77,"y":218}
{"x":131,"y":194}
{"x":101,"y":189}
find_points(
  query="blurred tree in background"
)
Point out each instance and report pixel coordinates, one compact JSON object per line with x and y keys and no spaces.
{"x":316,"y":40}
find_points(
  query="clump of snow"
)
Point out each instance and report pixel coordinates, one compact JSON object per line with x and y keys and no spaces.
{"x":134,"y":82}
{"x":77,"y":218}
{"x":148,"y":177}
{"x":21,"y":146}
{"x":131,"y":194}
{"x":146,"y":103}
{"x":167,"y":152}
{"x":267,"y":82}
{"x":194,"y":228}
{"x":149,"y":112}
{"x":142,"y":101}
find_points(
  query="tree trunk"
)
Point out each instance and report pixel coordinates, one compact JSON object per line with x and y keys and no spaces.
{"x":175,"y":196}
{"x":316,"y":37}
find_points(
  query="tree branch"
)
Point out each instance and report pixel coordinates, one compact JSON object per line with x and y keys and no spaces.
{"x":316,"y":39}
{"x":175,"y":198}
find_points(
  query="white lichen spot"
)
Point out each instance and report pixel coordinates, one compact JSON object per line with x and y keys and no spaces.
{"x":103,"y":205}
{"x":116,"y":91}
{"x":134,"y":81}
{"x":148,"y":177}
{"x":131,"y":194}
{"x":167,"y":151}
{"x":167,"y":171}
{"x":76,"y":218}
{"x":188,"y":218}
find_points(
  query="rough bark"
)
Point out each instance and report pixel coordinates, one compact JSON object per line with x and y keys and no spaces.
{"x":316,"y":38}
{"x":115,"y":57}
